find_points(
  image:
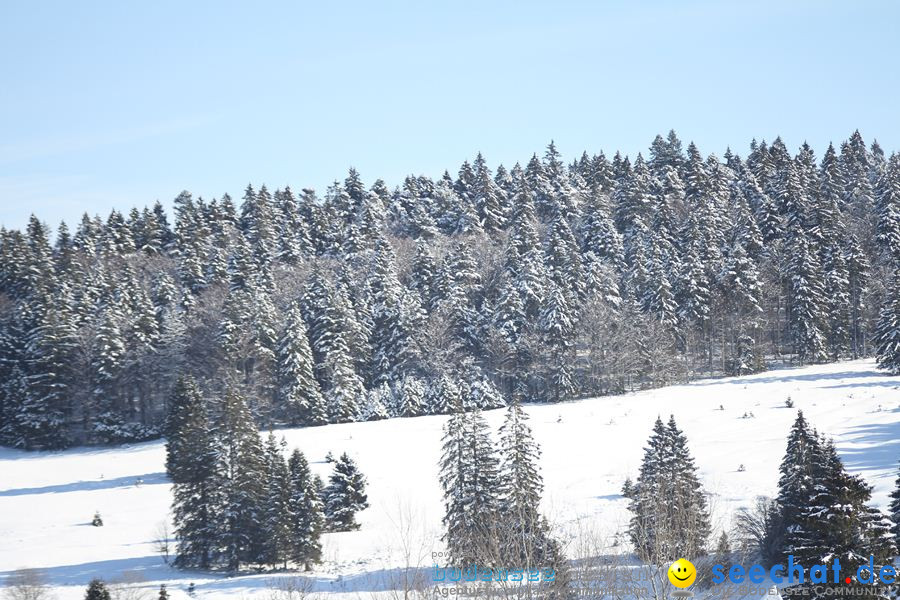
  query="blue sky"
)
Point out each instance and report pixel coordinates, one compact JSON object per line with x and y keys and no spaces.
{"x":115,"y":104}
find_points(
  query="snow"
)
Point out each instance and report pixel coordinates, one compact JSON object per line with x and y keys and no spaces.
{"x":589,"y":446}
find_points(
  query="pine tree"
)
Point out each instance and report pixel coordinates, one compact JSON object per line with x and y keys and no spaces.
{"x":394,"y":319}
{"x":277,"y":520}
{"x":190,"y":463}
{"x":410,"y":397}
{"x":331,"y":328}
{"x":887,"y":197}
{"x":806,"y":302}
{"x":306,"y":513}
{"x":894,"y":509}
{"x":443,"y":396}
{"x":240,"y":470}
{"x":557,"y":326}
{"x":46,"y":403}
{"x":97,"y":590}
{"x":378,"y":403}
{"x":185,"y":423}
{"x":825,"y":508}
{"x":487,"y":197}
{"x":468,"y":475}
{"x":525,"y":534}
{"x":887,"y":332}
{"x":298,"y":390}
{"x":668,"y":505}
{"x":345,"y":495}
{"x":796,"y":480}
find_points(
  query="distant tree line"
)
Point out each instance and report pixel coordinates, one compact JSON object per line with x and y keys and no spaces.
{"x":547,"y":281}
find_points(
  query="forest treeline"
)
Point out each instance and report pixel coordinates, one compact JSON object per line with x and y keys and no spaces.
{"x":538,"y":283}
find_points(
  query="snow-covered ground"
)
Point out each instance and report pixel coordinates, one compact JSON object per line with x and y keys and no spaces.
{"x":589,"y":447}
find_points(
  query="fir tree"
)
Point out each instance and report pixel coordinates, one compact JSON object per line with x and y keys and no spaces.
{"x":240,"y":470}
{"x":807,"y":301}
{"x":557,"y":326}
{"x":524,"y":531}
{"x":668,"y":505}
{"x":887,"y":332}
{"x":345,"y":495}
{"x":298,"y":390}
{"x":277,"y":520}
{"x":306,"y":513}
{"x":97,"y":590}
{"x":190,"y":463}
{"x":468,"y":472}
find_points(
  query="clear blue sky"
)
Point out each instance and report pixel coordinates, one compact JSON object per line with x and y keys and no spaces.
{"x":114,"y":104}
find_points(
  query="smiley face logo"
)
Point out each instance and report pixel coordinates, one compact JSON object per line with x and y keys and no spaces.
{"x":682,"y":573}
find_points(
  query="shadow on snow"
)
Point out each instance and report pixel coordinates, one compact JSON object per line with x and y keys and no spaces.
{"x":87,"y":486}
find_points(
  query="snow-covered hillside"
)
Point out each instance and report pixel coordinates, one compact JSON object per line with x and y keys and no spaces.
{"x":589,"y":447}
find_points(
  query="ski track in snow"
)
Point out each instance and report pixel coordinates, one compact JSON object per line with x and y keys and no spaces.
{"x":47,"y":499}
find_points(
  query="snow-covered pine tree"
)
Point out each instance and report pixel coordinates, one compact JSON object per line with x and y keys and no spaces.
{"x":689,"y":497}
{"x":668,"y":504}
{"x":45,"y":403}
{"x":487,"y":197}
{"x":345,"y":495}
{"x":457,"y":520}
{"x":887,"y":332}
{"x":806,"y":301}
{"x":479,"y":391}
{"x":795,"y":482}
{"x":331,"y":325}
{"x":191,"y":464}
{"x":276,"y":518}
{"x":468,"y":475}
{"x":524,"y":532}
{"x":240,"y":473}
{"x":887,"y":203}
{"x":557,"y":325}
{"x":443,"y":396}
{"x":835,"y":522}
{"x":894,"y":509}
{"x":409,"y":395}
{"x":298,"y":391}
{"x":97,"y":590}
{"x":379,"y":403}
{"x":306,"y":513}
{"x":392,"y":333}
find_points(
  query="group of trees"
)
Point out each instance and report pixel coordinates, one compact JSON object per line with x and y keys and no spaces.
{"x":546,"y":281}
{"x":492,"y":496}
{"x":237,"y":500}
{"x":821,"y":515}
{"x":669,"y":519}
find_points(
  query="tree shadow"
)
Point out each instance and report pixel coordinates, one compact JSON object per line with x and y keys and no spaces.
{"x":788,"y":376}
{"x":82,"y":486}
{"x":149,"y":568}
{"x":881,"y":450}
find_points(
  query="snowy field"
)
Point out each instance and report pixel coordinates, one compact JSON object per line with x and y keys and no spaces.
{"x":589,"y":447}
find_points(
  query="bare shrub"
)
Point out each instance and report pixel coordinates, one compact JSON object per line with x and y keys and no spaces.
{"x":129,"y":586}
{"x":290,"y":588}
{"x":27,"y":584}
{"x":161,"y":540}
